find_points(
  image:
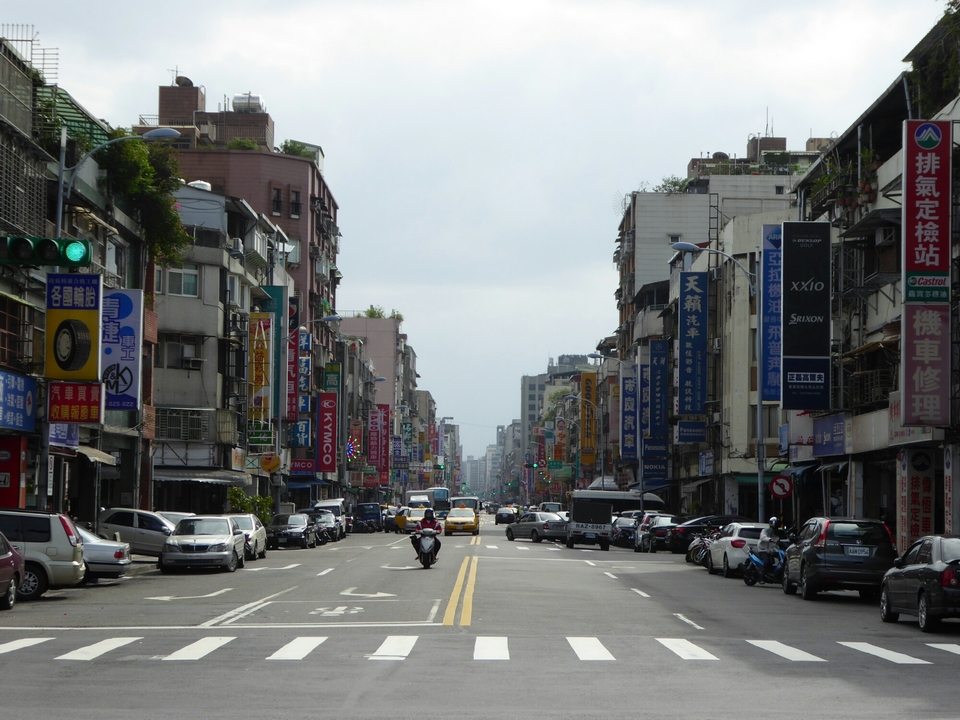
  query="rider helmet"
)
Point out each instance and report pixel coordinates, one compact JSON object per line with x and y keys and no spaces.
{"x":428,"y":514}
{"x":774,"y":523}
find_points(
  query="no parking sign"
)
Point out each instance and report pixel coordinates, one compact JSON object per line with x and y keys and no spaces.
{"x":781,"y":487}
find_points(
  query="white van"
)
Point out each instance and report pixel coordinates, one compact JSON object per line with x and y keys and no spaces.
{"x":339,"y":510}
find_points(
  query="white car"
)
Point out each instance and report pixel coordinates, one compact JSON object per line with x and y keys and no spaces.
{"x":729,"y":551}
{"x":255,"y":534}
{"x":204,"y":541}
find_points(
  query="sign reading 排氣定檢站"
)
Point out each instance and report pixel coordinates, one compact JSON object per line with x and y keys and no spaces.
{"x":692,"y":343}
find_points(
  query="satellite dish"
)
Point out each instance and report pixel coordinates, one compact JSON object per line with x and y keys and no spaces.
{"x":183,"y":81}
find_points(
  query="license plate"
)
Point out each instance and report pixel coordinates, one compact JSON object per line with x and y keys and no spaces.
{"x":282,"y":541}
{"x":858,"y":551}
{"x":591,"y":536}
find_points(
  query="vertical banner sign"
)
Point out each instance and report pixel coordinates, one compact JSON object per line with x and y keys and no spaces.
{"x":770,"y":288}
{"x":693,"y":343}
{"x":659,"y":388}
{"x":805,"y":325}
{"x":559,"y":447}
{"x":121,"y":346}
{"x":644,"y":400}
{"x":384,"y":412}
{"x":434,"y":440}
{"x":259,"y":374}
{"x":588,"y":432}
{"x":327,"y":432}
{"x":903,"y":504}
{"x":920,"y":470}
{"x":18,"y":402}
{"x":949,"y":477}
{"x":73,"y":327}
{"x":925,"y":365}
{"x":293,"y":358}
{"x":331,"y":377}
{"x":629,"y":407}
{"x":374,"y":430}
{"x":278,"y":303}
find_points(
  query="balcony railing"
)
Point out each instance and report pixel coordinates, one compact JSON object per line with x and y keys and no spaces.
{"x":869,"y":387}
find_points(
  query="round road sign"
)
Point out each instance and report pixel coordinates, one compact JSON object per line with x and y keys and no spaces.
{"x":781,"y":486}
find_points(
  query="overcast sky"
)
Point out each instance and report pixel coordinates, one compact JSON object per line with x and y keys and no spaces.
{"x":479,"y":150}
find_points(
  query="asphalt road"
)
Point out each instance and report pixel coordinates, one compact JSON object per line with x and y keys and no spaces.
{"x":496,"y":629}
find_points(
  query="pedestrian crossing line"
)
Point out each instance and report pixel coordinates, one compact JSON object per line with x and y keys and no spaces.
{"x":200,"y":648}
{"x":894,"y":657}
{"x":92,"y":652}
{"x":946,"y":647}
{"x":395,"y":647}
{"x":785,"y":651}
{"x":21,"y":643}
{"x":491,"y":648}
{"x":589,"y":648}
{"x":298,"y":648}
{"x":686,"y":649}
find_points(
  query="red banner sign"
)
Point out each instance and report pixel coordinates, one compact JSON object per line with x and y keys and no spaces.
{"x":384,"y":439}
{"x":72,"y":402}
{"x":327,"y":432}
{"x":925,"y":365}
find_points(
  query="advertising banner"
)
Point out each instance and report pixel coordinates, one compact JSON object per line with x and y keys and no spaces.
{"x":327,"y":432}
{"x":72,"y":402}
{"x":629,"y":408}
{"x":770,"y":288}
{"x":434,"y":440}
{"x":293,"y":359}
{"x":916,"y":495}
{"x":306,"y":343}
{"x":925,"y":365}
{"x":588,"y":430}
{"x":691,"y":431}
{"x":278,"y":303}
{"x":300,"y":435}
{"x":659,"y":388}
{"x":303,"y":466}
{"x":805,"y":322}
{"x":331,"y":377}
{"x":644,"y":412}
{"x":73,"y":326}
{"x":949,"y":485}
{"x":692,"y":328}
{"x":305,"y":374}
{"x":926,"y":210}
{"x":260,"y":370}
{"x":383,"y":413}
{"x":653,"y":473}
{"x":375,"y":429}
{"x":18,"y":401}
{"x":121,"y":345}
{"x":829,"y":434}
{"x":65,"y":435}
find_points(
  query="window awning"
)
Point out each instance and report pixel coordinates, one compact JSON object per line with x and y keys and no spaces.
{"x":212,"y":476}
{"x":795,"y":470}
{"x":874,"y":220}
{"x":302,"y":484}
{"x":94,"y":455}
{"x":832,"y":467}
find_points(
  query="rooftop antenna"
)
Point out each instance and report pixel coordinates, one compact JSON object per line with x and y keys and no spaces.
{"x":766,"y":129}
{"x":173,"y":74}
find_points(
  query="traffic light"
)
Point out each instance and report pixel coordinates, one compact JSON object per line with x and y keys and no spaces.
{"x":65,"y":252}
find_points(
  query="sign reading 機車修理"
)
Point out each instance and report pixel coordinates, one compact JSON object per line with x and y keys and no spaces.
{"x":692,"y":329}
{"x":121,"y":348}
{"x":805,"y":321}
{"x":770,"y":286}
{"x":925,"y":365}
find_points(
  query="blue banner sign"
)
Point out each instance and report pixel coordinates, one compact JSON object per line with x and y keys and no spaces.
{"x":828,"y":435}
{"x":300,"y":434}
{"x":121,"y":346}
{"x":653,"y":473}
{"x":18,"y":401}
{"x":771,"y":268}
{"x":629,"y":407}
{"x":304,"y":404}
{"x":659,"y":388}
{"x":65,"y":434}
{"x":654,"y":447}
{"x":306,"y":342}
{"x":692,"y":431}
{"x":692,"y":362}
{"x":645,"y":400}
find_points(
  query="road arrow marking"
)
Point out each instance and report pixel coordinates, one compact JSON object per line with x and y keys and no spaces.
{"x":349,"y":592}
{"x":167,"y":598}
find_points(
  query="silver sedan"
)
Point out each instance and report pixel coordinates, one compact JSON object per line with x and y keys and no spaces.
{"x":538,"y":526}
{"x":103,"y":558}
{"x":204,"y":541}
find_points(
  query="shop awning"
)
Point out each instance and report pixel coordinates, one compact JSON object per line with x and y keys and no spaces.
{"x":795,"y":470}
{"x":831,"y":467}
{"x":95,"y":455}
{"x":302,"y":484}
{"x":874,"y":220}
{"x":202,"y":475}
{"x":746,"y":479}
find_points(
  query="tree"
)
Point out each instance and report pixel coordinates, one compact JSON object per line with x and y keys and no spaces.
{"x":374,"y":311}
{"x":242,"y":144}
{"x":671,"y":185}
{"x":292,"y":147}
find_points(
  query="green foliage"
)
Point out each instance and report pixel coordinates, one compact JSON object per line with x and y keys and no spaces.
{"x":936,"y":72}
{"x":374,"y":311}
{"x":259,"y":505}
{"x":148,"y":175}
{"x":292,"y":147}
{"x":396,"y":315}
{"x":671,"y":185}
{"x":242,"y":144}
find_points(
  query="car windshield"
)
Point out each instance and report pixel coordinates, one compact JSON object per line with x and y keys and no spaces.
{"x":865,"y":533}
{"x":245,"y":522}
{"x":626,"y":522}
{"x":951,"y":550}
{"x":203,"y":526}
{"x":295,"y":519}
{"x":461,"y":512}
{"x":366,"y":511}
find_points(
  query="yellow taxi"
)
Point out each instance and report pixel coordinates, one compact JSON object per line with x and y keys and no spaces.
{"x":463,"y":520}
{"x":408,"y":521}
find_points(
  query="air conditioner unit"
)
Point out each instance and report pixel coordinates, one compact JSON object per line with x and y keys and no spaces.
{"x":717,"y":345}
{"x":191,"y":363}
{"x":715,"y":418}
{"x":314,"y":251}
{"x":236,"y":245}
{"x":715,"y":274}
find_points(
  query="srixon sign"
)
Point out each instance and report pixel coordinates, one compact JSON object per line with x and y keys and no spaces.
{"x":327,"y":432}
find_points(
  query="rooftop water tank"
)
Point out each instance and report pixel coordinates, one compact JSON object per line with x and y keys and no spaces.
{"x":248,"y":103}
{"x":201,"y":185}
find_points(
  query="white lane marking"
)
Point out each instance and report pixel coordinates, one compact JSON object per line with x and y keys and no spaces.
{"x":685,"y":649}
{"x":199,"y":649}
{"x":553,"y":549}
{"x":91,"y":652}
{"x":395,"y":647}
{"x":189,"y":597}
{"x":947,"y":647}
{"x":521,"y":547}
{"x":785,"y":651}
{"x":324,"y":572}
{"x":402,"y":567}
{"x":247,"y":613}
{"x":491,"y":648}
{"x":894,"y":657}
{"x":610,"y":575}
{"x":396,"y":547}
{"x":641,"y":593}
{"x":21,"y":643}
{"x":433,"y":610}
{"x":349,"y":592}
{"x":297,"y":649}
{"x":243,"y":609}
{"x":687,"y":620}
{"x":492,"y":547}
{"x":589,"y":648}
{"x":591,"y":564}
{"x":285,"y":567}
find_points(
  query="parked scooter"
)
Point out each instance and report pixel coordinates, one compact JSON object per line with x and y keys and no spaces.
{"x":625,"y":535}
{"x":427,"y":547}
{"x":753,"y":566}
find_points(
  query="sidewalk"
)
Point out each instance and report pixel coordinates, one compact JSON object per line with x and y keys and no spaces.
{"x":142,"y":565}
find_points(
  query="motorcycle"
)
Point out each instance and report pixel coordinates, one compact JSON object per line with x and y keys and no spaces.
{"x":427,"y":547}
{"x":625,"y":536}
{"x":753,"y":567}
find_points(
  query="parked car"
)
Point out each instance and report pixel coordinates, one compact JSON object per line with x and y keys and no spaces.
{"x":174,"y":516}
{"x":204,"y":541}
{"x":104,"y":558}
{"x":624,"y":531}
{"x":505,"y":516}
{"x":11,"y":573}
{"x":51,"y":548}
{"x":286,"y":530}
{"x":838,"y":554}
{"x":656,"y":536}
{"x":682,"y":534}
{"x":462,"y":520}
{"x":640,"y":541}
{"x":254,"y":533}
{"x":390,"y":520}
{"x":538,"y":526}
{"x":925,"y":582}
{"x":146,"y":531}
{"x":729,"y":551}
{"x":563,"y":515}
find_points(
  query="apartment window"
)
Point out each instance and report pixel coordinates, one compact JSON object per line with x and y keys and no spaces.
{"x":158,"y":282}
{"x":233,"y":290}
{"x":184,"y":280}
{"x":277,"y":201}
{"x":117,"y":260}
{"x":182,"y":351}
{"x":295,"y":204}
{"x":771,"y":422}
{"x":10,"y":345}
{"x":673,"y":239}
{"x":778,"y":189}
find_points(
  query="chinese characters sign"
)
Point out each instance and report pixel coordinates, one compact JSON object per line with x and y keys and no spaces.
{"x":629,"y":409}
{"x":925,"y":364}
{"x":18,"y":397}
{"x":73,"y":327}
{"x":659,"y":389}
{"x":72,"y":402}
{"x":121,"y":348}
{"x":327,"y":432}
{"x":692,"y":363}
{"x":916,"y":481}
{"x":260,"y":370}
{"x":588,"y":431}
{"x":770,"y":313}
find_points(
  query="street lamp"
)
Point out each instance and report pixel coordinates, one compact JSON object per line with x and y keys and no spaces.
{"x":686,"y":247}
{"x":162,"y":133}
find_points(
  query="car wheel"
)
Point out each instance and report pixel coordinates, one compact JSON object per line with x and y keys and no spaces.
{"x":34,"y":583}
{"x":788,"y":587}
{"x":509,"y":534}
{"x":476,"y":532}
{"x":241,"y":560}
{"x":86,"y":575}
{"x":807,"y":591}
{"x":233,"y":564}
{"x":605,"y":546}
{"x":727,"y":570}
{"x":886,"y":614}
{"x":927,"y":623}
{"x":750,"y":575}
{"x":636,"y":548}
{"x":711,"y":570}
{"x":653,"y":547}
{"x":263,"y":553}
{"x":535,"y":536}
{"x":9,"y":598}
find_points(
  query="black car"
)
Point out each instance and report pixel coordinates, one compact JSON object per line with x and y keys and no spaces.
{"x":838,"y":554}
{"x":367,"y":518}
{"x":289,"y":530}
{"x":624,"y":531}
{"x":682,"y":535}
{"x":925,"y":582}
{"x":326,"y":525}
{"x":654,"y":532}
{"x":505,"y":515}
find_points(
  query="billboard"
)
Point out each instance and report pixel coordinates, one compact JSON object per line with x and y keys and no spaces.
{"x":629,"y":412}
{"x":805,"y":322}
{"x":588,"y":418}
{"x":260,"y":371}
{"x":770,"y":288}
{"x":278,"y":303}
{"x":18,"y":401}
{"x":327,"y":432}
{"x":692,"y":328}
{"x":925,"y":365}
{"x":72,"y":402}
{"x":121,"y":345}
{"x":659,"y":388}
{"x":73,"y":327}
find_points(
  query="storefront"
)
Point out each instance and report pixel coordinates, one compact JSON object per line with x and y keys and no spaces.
{"x":198,"y":490}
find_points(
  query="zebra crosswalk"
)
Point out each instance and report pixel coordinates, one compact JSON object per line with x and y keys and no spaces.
{"x":484,"y":648}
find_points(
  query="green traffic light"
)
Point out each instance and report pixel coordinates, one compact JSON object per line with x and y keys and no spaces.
{"x":74,"y":251}
{"x":67,"y":252}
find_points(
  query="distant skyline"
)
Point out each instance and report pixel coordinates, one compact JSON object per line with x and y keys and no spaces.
{"x":479,"y":150}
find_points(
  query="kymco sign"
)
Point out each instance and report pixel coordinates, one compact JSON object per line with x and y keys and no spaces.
{"x":327,"y":432}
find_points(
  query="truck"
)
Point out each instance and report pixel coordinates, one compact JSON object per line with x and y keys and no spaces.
{"x":591,"y":523}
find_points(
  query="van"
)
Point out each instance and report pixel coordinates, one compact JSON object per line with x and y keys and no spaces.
{"x":339,"y":510}
{"x":51,"y":547}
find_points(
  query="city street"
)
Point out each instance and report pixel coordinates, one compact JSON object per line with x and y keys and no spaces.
{"x":496,"y":629}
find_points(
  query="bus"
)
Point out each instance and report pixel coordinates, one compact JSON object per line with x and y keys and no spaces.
{"x":436,"y":497}
{"x":620,"y":500}
{"x":470,"y":501}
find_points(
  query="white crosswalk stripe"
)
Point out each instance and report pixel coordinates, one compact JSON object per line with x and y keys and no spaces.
{"x":686,"y":649}
{"x":785,"y":651}
{"x":297,"y":649}
{"x":200,"y":648}
{"x":21,"y":643}
{"x":589,"y":648}
{"x":92,"y":652}
{"x":395,"y":647}
{"x":947,"y":647}
{"x":894,"y":657}
{"x":491,"y":648}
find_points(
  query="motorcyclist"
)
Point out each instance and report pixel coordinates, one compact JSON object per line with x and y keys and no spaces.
{"x":767,"y":545}
{"x":429,"y":522}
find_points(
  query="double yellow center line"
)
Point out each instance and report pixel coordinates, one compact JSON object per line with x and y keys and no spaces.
{"x":466,"y":612}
